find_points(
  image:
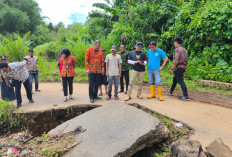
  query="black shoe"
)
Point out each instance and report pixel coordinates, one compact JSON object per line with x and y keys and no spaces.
{"x":121,"y":91}
{"x":169,"y":92}
{"x":37,"y":90}
{"x":31,"y":101}
{"x":65,"y":100}
{"x":125,"y":92}
{"x":184,"y":98}
{"x":98,"y":98}
{"x":18,"y":106}
{"x":92,"y":100}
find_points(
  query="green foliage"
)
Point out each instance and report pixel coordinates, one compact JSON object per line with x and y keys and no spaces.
{"x":166,"y":150}
{"x":15,"y":47}
{"x":19,"y":16}
{"x":49,"y":51}
{"x":176,"y":133}
{"x":41,"y":35}
{"x":205,"y":27}
{"x":7,"y":117}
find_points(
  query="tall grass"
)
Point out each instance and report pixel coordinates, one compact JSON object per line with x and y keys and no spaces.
{"x":7,"y":117}
{"x":15,"y":47}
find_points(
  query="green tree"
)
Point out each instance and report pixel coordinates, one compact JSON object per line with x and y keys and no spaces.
{"x":19,"y":16}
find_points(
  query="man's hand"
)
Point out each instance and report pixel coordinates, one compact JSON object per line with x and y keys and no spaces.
{"x":141,"y":63}
{"x":119,"y":75}
{"x":171,"y":71}
{"x":161,"y":68}
{"x":87,"y":72}
{"x":8,"y":84}
{"x":107,"y":73}
{"x":103,"y":72}
{"x":137,"y":62}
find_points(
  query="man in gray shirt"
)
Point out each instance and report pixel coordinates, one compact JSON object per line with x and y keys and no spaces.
{"x":113,"y":71}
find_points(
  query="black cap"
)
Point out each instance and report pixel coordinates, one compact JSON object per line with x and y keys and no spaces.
{"x":3,"y":58}
{"x":139,"y":44}
{"x":152,"y":43}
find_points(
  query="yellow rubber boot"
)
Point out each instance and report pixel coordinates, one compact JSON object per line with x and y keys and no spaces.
{"x":160,"y":93}
{"x":152,"y":89}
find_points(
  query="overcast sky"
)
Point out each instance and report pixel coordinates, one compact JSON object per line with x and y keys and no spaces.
{"x":67,"y":11}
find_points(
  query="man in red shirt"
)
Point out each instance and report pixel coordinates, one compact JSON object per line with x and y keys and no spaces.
{"x":94,"y":65}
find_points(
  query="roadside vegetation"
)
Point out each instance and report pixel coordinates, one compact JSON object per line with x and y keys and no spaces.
{"x":205,"y":27}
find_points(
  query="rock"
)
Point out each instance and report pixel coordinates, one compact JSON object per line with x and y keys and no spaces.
{"x":217,"y":148}
{"x":114,"y":130}
{"x":186,"y":148}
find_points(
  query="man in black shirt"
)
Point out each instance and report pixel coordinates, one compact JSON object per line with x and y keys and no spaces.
{"x":138,"y":60}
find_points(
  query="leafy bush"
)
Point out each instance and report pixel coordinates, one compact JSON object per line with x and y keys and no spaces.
{"x":49,"y":51}
{"x":15,"y":47}
{"x":7,"y":117}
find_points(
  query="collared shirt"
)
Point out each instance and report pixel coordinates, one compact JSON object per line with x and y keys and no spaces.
{"x":113,"y":64}
{"x":32,"y":63}
{"x":180,"y":58}
{"x":94,"y":60}
{"x":155,"y":58}
{"x":17,"y":72}
{"x":68,"y":65}
{"x":138,"y":56}
{"x":124,"y":55}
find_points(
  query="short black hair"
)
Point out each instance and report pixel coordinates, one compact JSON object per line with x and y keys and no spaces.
{"x":66,"y":52}
{"x":121,"y":44}
{"x":3,"y":65}
{"x":97,"y":41}
{"x":30,"y":50}
{"x":178,"y":40}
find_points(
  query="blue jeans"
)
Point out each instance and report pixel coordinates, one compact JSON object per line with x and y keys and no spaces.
{"x":154,"y":74}
{"x":36,"y":77}
{"x":116,"y":82}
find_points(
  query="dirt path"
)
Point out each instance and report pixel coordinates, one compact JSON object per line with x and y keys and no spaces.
{"x":209,"y":121}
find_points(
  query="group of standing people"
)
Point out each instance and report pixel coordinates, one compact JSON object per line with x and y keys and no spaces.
{"x":115,"y":67}
{"x":101,"y":70}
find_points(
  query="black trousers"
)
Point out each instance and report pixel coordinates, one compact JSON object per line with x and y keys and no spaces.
{"x":27,"y":86}
{"x":124,"y":74}
{"x":178,"y":78}
{"x":67,"y":81}
{"x":94,"y":83}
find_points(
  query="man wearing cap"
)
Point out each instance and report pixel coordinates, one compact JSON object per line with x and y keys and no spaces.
{"x":125,"y":68}
{"x":154,"y":68}
{"x":32,"y":67}
{"x":19,"y":74}
{"x":138,"y":60}
{"x":7,"y":93}
{"x":113,"y":71}
{"x":94,"y":65}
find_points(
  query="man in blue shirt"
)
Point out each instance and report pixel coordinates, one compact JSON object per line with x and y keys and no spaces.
{"x":154,"y":68}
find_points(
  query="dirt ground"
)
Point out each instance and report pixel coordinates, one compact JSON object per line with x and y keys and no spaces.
{"x":209,"y":115}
